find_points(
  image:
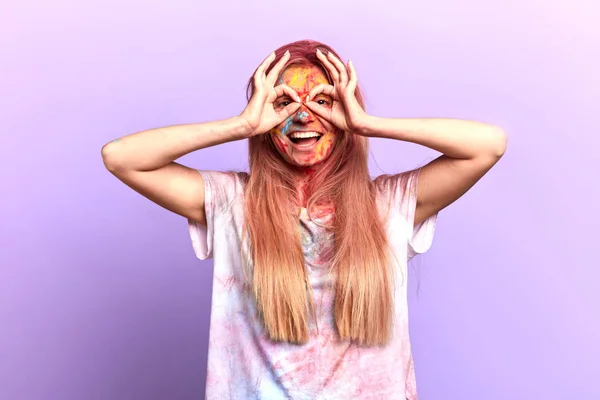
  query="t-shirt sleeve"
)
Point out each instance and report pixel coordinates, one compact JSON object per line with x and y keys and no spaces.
{"x":402,"y":189}
{"x":220,"y":190}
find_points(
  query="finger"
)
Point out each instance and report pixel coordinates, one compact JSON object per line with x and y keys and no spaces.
{"x":353,"y":75}
{"x":288,"y":110}
{"x":318,"y":109}
{"x":260,"y":71}
{"x":282,"y":89}
{"x":274,"y":73}
{"x":335,"y":76}
{"x":340,"y":67}
{"x":327,"y":90}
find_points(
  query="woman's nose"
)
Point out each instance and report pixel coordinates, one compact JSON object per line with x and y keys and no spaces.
{"x":303,"y":115}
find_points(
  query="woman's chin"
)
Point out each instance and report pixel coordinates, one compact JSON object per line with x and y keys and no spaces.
{"x":303,"y":163}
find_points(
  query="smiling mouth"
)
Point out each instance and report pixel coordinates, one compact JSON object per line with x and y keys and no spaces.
{"x":304,"y":139}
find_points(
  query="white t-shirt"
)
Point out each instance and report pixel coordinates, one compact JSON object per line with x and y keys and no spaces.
{"x":243,"y":364}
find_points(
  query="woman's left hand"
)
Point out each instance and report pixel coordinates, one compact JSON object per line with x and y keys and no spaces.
{"x":344,"y":111}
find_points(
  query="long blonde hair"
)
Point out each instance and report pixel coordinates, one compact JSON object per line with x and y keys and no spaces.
{"x":363,"y":273}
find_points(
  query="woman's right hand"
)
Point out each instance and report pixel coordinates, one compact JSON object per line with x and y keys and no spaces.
{"x":262,"y":114}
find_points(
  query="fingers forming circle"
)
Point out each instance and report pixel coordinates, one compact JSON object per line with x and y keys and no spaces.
{"x":282,"y":89}
{"x":290,"y":109}
{"x":328,"y":90}
{"x":319,"y":110}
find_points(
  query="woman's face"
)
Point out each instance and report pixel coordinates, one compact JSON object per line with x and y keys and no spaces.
{"x":304,"y":151}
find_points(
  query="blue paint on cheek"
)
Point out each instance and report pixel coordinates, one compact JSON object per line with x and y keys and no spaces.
{"x":286,"y":127}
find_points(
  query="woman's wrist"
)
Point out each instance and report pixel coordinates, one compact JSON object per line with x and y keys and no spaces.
{"x":243,"y":129}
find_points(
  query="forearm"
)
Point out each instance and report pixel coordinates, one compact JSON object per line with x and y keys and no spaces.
{"x":452,"y":137}
{"x":152,"y":149}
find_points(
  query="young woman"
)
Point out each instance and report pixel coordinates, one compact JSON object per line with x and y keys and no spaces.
{"x":310,"y":253}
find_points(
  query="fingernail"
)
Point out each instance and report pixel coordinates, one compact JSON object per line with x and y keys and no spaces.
{"x":319,"y":51}
{"x":286,"y":52}
{"x":298,"y":99}
{"x":307,"y":99}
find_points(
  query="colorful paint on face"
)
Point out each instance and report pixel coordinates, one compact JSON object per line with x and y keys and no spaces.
{"x":302,"y":78}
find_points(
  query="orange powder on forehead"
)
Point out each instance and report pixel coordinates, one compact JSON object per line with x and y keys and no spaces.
{"x":302,"y":78}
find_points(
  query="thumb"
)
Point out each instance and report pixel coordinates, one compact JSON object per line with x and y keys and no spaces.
{"x":288,"y":110}
{"x":318,"y":109}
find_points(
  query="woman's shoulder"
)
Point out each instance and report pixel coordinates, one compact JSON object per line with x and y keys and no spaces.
{"x":224,"y":178}
{"x":223,"y":186}
{"x":391,"y":184}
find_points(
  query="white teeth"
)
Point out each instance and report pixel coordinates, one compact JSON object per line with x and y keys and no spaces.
{"x":304,"y":135}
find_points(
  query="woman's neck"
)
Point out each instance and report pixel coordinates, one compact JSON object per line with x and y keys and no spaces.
{"x":304,"y":177}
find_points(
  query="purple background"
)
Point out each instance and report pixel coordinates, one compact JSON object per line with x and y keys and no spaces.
{"x":100,"y":294}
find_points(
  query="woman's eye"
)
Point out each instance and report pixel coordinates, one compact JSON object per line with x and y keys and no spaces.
{"x":322,"y":102}
{"x":285,"y":103}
